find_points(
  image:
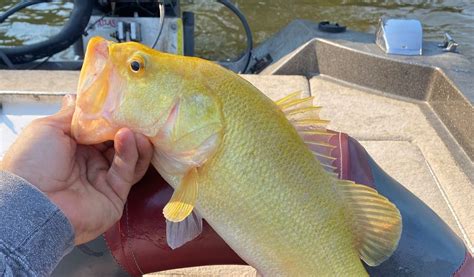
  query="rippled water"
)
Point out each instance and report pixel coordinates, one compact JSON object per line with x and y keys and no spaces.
{"x":219,"y":34}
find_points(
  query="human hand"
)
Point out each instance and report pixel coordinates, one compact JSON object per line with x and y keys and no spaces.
{"x":89,"y":183}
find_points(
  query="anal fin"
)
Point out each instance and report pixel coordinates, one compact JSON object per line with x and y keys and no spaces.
{"x":376,"y":222}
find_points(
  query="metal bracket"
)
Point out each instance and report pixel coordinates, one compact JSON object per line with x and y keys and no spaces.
{"x":449,"y":44}
{"x":127,"y":31}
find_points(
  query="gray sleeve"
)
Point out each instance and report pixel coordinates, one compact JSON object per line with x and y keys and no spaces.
{"x":34,"y":233}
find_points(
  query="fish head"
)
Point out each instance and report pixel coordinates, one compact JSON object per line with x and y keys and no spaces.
{"x":120,"y":85}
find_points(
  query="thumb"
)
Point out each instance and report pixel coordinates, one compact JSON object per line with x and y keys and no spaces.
{"x":121,"y":175}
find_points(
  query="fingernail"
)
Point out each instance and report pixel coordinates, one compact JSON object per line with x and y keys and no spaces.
{"x":69,"y":100}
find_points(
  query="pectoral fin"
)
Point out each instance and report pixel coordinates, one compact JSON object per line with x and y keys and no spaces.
{"x":184,"y":197}
{"x":376,"y":222}
{"x":179,"y":233}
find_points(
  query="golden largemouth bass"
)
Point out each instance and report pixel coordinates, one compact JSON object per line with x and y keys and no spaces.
{"x":241,"y":161}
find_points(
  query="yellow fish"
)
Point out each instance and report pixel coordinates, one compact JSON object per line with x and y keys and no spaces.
{"x":245,"y":163}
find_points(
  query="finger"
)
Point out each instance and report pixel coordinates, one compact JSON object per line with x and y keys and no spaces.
{"x":68,"y":101}
{"x":121,"y":175}
{"x":109,"y":155}
{"x":145,"y":153}
{"x":104,"y":146}
{"x":63,"y":118}
{"x":96,"y":163}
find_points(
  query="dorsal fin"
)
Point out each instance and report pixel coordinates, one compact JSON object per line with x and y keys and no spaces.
{"x":376,"y":222}
{"x":304,"y":116}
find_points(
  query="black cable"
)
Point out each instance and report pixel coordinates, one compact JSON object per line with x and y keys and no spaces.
{"x":6,"y":15}
{"x":143,"y":9}
{"x":92,"y":26}
{"x":248,"y":50}
{"x":18,"y":7}
{"x":161,"y":7}
{"x":68,"y":35}
{"x":36,"y":65}
{"x":6,"y":60}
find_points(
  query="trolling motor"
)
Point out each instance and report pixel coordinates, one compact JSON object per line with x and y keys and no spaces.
{"x":159,"y":24}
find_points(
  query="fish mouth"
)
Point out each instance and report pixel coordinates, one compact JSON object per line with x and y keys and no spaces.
{"x":94,"y":66}
{"x":91,"y":129}
{"x":91,"y":123}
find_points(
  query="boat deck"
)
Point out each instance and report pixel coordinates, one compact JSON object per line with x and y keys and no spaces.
{"x":403,"y":135}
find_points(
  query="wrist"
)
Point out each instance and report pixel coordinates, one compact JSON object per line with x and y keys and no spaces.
{"x":32,"y":225}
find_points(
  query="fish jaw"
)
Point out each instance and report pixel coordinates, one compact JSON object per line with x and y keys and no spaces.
{"x":91,"y":130}
{"x":97,"y":96}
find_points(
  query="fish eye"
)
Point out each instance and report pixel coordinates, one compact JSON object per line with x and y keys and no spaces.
{"x":135,"y":66}
{"x":136,"y":63}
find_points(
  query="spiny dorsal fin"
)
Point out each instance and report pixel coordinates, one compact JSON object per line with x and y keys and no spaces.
{"x":376,"y":222}
{"x":304,"y":116}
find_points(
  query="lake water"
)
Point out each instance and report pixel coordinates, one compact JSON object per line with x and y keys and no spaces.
{"x":219,"y":34}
